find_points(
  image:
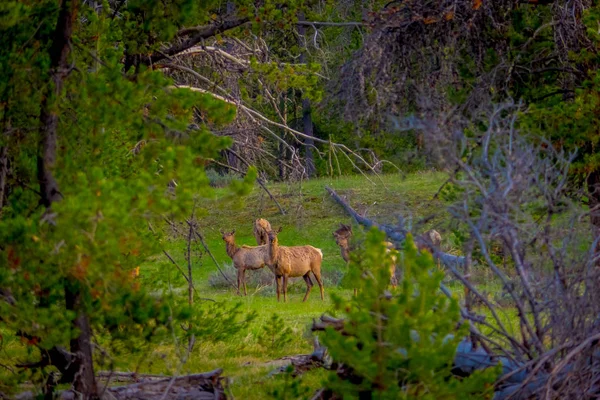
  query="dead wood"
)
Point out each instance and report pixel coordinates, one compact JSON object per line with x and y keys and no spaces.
{"x":396,"y":233}
{"x":205,"y":386}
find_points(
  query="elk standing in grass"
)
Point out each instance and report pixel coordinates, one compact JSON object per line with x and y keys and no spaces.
{"x":290,"y":262}
{"x":262,"y":227}
{"x":342,"y":239}
{"x":244,"y":258}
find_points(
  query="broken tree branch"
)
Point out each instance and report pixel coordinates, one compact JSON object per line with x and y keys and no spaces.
{"x":395,"y":234}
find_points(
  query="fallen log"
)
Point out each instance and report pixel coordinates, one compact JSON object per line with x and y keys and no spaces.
{"x":395,"y":233}
{"x":205,"y":386}
{"x":302,"y":363}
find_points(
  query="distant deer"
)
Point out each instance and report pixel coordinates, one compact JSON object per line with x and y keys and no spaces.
{"x":290,"y":262}
{"x":244,"y":258}
{"x":342,"y":239}
{"x":262,"y":227}
{"x":430,"y":241}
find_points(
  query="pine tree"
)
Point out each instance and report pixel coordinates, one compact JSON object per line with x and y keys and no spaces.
{"x":399,"y":344}
{"x":90,"y":148}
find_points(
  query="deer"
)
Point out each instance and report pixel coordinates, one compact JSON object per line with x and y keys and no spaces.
{"x":430,"y":241}
{"x":290,"y":262}
{"x":261,"y":230}
{"x":244,"y":258}
{"x":342,"y":239}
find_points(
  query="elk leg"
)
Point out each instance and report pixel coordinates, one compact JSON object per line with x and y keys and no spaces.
{"x":285,"y":282}
{"x":279,"y":285}
{"x":244,"y":282}
{"x":309,"y":285}
{"x":320,"y":282}
{"x":239,"y":278}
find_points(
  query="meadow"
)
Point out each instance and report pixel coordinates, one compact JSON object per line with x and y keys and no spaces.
{"x":311,"y":217}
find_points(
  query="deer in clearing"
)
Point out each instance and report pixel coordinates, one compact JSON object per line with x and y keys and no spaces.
{"x":430,"y":241}
{"x":290,"y":262}
{"x":244,"y":258}
{"x":342,"y":239}
{"x":262,"y":227}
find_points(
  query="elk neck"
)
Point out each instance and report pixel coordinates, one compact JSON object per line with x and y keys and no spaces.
{"x":231,"y":249}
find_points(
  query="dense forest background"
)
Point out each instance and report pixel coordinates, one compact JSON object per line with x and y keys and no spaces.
{"x":128,"y":126}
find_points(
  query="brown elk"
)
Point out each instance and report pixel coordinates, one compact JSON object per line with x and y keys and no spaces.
{"x":290,"y":262}
{"x":430,"y":241}
{"x":262,"y":227}
{"x":342,"y":239}
{"x":244,"y":258}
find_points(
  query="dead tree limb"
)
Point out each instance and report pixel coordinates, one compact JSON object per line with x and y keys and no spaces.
{"x":394,"y":233}
{"x":206,"y":386}
{"x":201,"y":238}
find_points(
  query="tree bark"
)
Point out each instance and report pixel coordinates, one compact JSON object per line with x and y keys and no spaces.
{"x":59,"y":69}
{"x":84,"y":381}
{"x":195,"y":36}
{"x":306,"y":108}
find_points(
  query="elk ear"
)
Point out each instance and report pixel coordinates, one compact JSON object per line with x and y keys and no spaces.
{"x":233,"y":232}
{"x":279,"y":230}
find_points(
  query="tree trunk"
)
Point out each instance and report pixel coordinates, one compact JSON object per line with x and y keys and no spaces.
{"x":283,"y":151}
{"x":84,"y":381}
{"x":306,"y":108}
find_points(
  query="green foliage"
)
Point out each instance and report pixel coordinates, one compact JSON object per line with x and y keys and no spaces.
{"x":399,"y":148}
{"x":275,"y":335}
{"x":291,"y":388}
{"x":400,"y":345}
{"x":121,"y":140}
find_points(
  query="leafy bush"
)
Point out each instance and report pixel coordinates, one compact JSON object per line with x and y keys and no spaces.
{"x":401,"y":344}
{"x":219,"y":180}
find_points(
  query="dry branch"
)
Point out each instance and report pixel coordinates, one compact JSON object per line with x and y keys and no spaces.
{"x":394,"y":233}
{"x":206,"y":386}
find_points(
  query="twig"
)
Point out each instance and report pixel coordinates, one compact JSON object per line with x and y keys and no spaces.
{"x":201,"y":238}
{"x":319,"y":23}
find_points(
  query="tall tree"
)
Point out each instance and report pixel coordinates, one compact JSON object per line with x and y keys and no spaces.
{"x":92,"y":146}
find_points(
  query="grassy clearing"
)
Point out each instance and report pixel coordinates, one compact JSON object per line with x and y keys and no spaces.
{"x":311,"y":218}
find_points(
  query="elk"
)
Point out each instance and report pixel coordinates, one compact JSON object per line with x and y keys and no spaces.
{"x":342,"y":239}
{"x":244,"y":258}
{"x":290,"y":262}
{"x":261,"y":229}
{"x":430,"y":241}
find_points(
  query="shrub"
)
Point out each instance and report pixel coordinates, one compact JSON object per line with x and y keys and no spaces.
{"x":401,"y":344}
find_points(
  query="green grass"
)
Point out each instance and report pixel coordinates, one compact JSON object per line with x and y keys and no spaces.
{"x":311,"y":217}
